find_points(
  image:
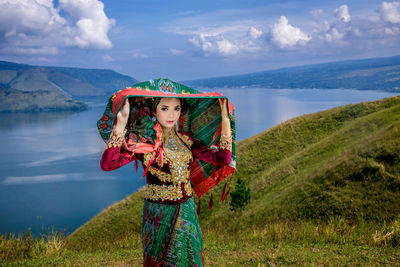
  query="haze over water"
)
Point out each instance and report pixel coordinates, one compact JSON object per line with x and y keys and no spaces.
{"x":49,"y":163}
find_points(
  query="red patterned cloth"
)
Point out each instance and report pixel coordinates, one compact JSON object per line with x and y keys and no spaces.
{"x":202,"y":120}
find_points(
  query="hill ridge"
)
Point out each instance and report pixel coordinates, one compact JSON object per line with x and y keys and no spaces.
{"x":314,"y":167}
{"x":90,"y":82}
{"x":361,"y":74}
{"x":63,"y":86}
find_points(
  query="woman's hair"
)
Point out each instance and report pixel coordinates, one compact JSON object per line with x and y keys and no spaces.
{"x":184,"y":104}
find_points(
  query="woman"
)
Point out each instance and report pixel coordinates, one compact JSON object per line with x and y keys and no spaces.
{"x":171,"y":233}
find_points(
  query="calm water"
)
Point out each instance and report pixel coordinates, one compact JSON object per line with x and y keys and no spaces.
{"x":49,"y":163}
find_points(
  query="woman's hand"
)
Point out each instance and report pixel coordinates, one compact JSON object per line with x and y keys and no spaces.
{"x":122,"y":116}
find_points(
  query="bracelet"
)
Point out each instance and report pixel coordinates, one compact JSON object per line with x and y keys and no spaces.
{"x":116,"y":139}
{"x":225,"y":142}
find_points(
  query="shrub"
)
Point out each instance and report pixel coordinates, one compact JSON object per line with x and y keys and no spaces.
{"x":241,"y":195}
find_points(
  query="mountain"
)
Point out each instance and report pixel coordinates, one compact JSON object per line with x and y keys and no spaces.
{"x":333,"y":173}
{"x":12,"y":100}
{"x":367,"y":74}
{"x":26,"y":88}
{"x":71,"y":82}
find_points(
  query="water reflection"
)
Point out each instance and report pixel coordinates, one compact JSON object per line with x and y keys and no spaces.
{"x":12,"y":120}
{"x":258,"y":109}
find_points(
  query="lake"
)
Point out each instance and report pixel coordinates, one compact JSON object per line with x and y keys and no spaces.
{"x":50,"y":174}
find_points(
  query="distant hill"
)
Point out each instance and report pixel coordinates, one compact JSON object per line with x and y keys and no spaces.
{"x":12,"y":100}
{"x":367,"y":74}
{"x":338,"y":164}
{"x":72,"y":82}
{"x":54,"y":88}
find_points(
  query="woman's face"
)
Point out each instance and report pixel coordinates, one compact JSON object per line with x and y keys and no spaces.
{"x":168,"y":112}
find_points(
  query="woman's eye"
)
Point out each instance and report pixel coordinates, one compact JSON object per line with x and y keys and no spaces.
{"x":177,"y":108}
{"x":164,"y":109}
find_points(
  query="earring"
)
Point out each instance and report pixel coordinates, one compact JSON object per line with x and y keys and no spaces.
{"x":154,"y":119}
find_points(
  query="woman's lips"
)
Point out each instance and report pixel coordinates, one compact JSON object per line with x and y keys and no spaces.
{"x":170,"y":121}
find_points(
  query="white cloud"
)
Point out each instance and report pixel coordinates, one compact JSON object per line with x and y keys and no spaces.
{"x":91,"y":23}
{"x":333,"y":34}
{"x":226,"y":48}
{"x":319,"y":33}
{"x":38,"y":27}
{"x":254,"y":33}
{"x":392,"y":31}
{"x":342,"y":13}
{"x":208,"y":37}
{"x":390,"y":12}
{"x":175,"y":52}
{"x":379,"y":28}
{"x":107,"y":58}
{"x":227,"y":44}
{"x":204,"y":43}
{"x":286,"y":35}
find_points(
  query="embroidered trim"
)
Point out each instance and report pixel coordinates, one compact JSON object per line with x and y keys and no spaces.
{"x":166,"y":192}
{"x":185,"y":139}
{"x":147,"y":157}
{"x":225,"y":142}
{"x":178,"y":157}
{"x":162,"y":176}
{"x":116,"y":139}
{"x":188,"y":189}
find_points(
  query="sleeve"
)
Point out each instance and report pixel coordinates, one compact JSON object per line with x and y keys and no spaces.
{"x":218,"y":157}
{"x":112,"y":157}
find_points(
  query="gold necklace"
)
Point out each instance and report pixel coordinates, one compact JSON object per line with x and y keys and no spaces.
{"x":179,"y":157}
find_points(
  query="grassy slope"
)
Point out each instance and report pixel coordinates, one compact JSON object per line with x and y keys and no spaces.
{"x":342,"y":162}
{"x":325,"y":191}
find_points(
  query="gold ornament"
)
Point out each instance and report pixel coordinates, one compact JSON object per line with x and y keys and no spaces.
{"x":116,"y":139}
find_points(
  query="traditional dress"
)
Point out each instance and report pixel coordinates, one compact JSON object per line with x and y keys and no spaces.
{"x":176,"y":164}
{"x":170,"y":230}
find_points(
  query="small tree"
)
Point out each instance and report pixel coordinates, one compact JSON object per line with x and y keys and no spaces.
{"x":241,"y":195}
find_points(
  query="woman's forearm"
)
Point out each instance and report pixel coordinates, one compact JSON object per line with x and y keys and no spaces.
{"x":122,"y":118}
{"x":226,"y":134}
{"x":119,"y":127}
{"x":226,"y":127}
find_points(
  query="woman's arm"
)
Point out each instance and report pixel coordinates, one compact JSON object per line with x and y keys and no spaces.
{"x":112,"y":158}
{"x":226,"y":133}
{"x":218,"y":157}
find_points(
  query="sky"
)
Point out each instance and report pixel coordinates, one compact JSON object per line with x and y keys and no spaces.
{"x":184,"y":39}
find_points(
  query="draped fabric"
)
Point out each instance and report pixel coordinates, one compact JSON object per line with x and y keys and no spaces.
{"x":202,"y":120}
{"x":171,"y":235}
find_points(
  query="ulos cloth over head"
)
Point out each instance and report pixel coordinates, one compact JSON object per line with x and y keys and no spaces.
{"x":202,"y":119}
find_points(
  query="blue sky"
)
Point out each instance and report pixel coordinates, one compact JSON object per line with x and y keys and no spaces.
{"x":185,"y":40}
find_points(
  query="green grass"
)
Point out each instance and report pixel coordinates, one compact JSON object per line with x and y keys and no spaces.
{"x":344,"y":162}
{"x":325,"y":190}
{"x":305,"y":243}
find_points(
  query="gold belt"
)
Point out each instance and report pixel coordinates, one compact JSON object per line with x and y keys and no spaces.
{"x":167,"y":192}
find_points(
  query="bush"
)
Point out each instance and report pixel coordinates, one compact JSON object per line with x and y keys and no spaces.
{"x":241,"y":195}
